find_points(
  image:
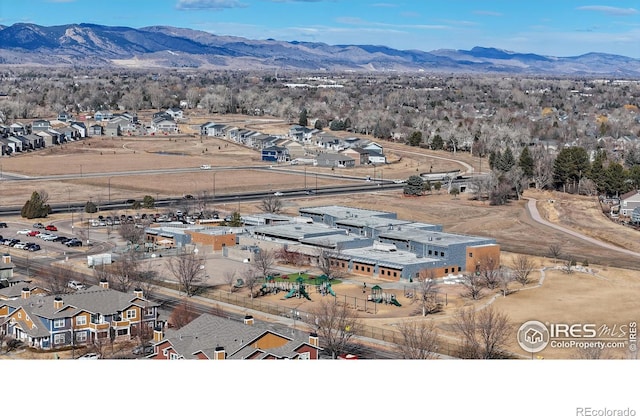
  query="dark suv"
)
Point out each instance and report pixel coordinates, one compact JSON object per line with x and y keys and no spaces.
{"x":73,"y":243}
{"x":3,"y":225}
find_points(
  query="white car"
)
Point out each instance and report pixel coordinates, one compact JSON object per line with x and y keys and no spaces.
{"x":74,"y":284}
{"x":89,"y":356}
{"x":205,"y":167}
{"x":23,"y":232}
{"x":278,"y":194}
{"x":20,"y":245}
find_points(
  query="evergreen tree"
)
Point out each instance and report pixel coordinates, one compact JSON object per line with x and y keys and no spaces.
{"x":415,"y":138}
{"x":414,"y":185}
{"x":302,"y":120}
{"x":493,"y":157}
{"x":90,"y":207}
{"x":437,"y":143}
{"x":570,"y":165}
{"x":597,"y":171}
{"x":506,"y":161}
{"x":36,"y":207}
{"x":615,"y":179}
{"x":318,"y":125}
{"x":525,"y":162}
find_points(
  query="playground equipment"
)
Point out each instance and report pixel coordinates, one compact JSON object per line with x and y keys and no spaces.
{"x":325,"y":288}
{"x":298,"y":290}
{"x":378,"y":296}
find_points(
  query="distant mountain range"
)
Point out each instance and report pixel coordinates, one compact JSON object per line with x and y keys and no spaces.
{"x":89,"y":45}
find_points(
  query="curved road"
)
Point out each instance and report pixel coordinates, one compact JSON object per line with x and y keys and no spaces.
{"x":535,"y":215}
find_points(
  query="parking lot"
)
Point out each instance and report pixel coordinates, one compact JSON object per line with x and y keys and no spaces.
{"x":41,"y":239}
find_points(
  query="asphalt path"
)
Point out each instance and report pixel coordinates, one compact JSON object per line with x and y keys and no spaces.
{"x":535,"y":215}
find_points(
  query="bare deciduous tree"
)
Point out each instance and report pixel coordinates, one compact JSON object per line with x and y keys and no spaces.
{"x":132,"y":234}
{"x":484,"y":333}
{"x":591,"y":353}
{"x":489,"y":269}
{"x":327,"y":262}
{"x":418,"y":340}
{"x":473,"y":286}
{"x":56,"y":280}
{"x":521,"y":267}
{"x":188,"y":269}
{"x":182,"y":315}
{"x":230,"y":278}
{"x":251,"y":279}
{"x":428,"y":293}
{"x":271,"y":204}
{"x":555,"y":250}
{"x":336,"y":324}
{"x":505,"y":278}
{"x":263,"y":262}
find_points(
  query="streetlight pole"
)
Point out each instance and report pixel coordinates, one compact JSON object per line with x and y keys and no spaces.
{"x":214,"y":185}
{"x":305,"y":178}
{"x":69,"y":207}
{"x":110,"y":189}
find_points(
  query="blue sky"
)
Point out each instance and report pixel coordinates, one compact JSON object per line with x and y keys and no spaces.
{"x":558,"y":28}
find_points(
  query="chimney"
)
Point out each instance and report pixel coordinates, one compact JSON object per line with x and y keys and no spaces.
{"x":248,"y":320}
{"x":158,"y":334}
{"x":25,"y":293}
{"x":6,"y":258}
{"x":219,"y":354}
{"x":313,"y":339}
{"x":104,"y":283}
{"x":57,"y":302}
{"x":138,"y":292}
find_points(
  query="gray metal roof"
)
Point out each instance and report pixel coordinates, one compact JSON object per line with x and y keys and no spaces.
{"x":207,"y":332}
{"x":342,"y":212}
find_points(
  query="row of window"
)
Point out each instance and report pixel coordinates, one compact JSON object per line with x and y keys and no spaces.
{"x":81,"y":320}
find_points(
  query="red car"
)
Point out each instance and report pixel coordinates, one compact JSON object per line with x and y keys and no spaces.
{"x":33,"y":233}
{"x":51,"y":227}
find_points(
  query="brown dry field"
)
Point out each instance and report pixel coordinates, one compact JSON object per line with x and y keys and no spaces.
{"x":607,"y":298}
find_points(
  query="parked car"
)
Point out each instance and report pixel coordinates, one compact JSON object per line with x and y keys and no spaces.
{"x":33,"y":233}
{"x":73,"y":243}
{"x":34,"y":247}
{"x":143,"y":349}
{"x":74,"y":284}
{"x":49,"y":237}
{"x":38,"y":225}
{"x":23,"y":232}
{"x":89,"y":356}
{"x":20,"y":245}
{"x":51,"y":227}
{"x":3,"y":225}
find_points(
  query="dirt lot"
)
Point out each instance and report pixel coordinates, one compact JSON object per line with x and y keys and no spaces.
{"x":606,"y":298}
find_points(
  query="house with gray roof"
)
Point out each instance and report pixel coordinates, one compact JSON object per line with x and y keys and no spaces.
{"x":333,"y":160}
{"x":210,"y":337}
{"x":629,"y":202}
{"x":95,"y":314}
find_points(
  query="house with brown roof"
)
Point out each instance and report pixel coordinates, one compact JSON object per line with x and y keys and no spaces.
{"x":210,"y":337}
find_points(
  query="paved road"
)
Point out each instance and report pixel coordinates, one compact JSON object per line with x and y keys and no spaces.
{"x":535,"y":215}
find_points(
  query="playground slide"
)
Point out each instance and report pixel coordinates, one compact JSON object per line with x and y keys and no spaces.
{"x":290,"y":294}
{"x":394,"y":301}
{"x":330,"y":290}
{"x":304,"y":293}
